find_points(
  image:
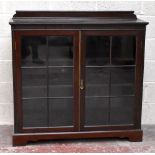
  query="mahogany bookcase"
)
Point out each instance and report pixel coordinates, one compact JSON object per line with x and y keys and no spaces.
{"x":77,"y":75}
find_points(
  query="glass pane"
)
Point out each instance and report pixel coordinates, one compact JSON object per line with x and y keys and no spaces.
{"x":60,"y":80}
{"x":97,"y":81}
{"x":61,"y":112}
{"x":34,"y":82}
{"x":47,"y":72}
{"x":35,"y":113}
{"x":121,"y":110}
{"x":60,"y":50}
{"x":123,"y":50}
{"x":61,"y":76}
{"x":122,"y":81}
{"x":60,"y":90}
{"x":33,"y":51}
{"x":97,"y":75}
{"x":97,"y":50}
{"x":96,"y":111}
{"x":34,"y":91}
{"x":97,"y":90}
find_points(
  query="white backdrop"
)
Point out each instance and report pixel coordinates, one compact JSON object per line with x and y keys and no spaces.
{"x":145,"y":10}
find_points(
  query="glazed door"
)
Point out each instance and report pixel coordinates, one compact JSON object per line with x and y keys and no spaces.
{"x":46,"y":68}
{"x":77,"y":80}
{"x":108,"y":76}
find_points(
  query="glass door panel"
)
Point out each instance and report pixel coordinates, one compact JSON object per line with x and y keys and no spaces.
{"x":33,"y":51}
{"x":34,"y":80}
{"x":123,"y":50}
{"x":122,"y":87}
{"x":61,"y":111}
{"x":60,"y":82}
{"x":97,"y":80}
{"x":97,"y":50}
{"x":61,"y":50}
{"x":109,"y":79}
{"x":122,"y":81}
{"x":47,"y":81}
{"x":60,"y":88}
{"x":35,"y":112}
{"x":96,"y":111}
{"x":121,"y":110}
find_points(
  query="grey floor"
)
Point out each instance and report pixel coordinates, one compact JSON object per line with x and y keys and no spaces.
{"x":88,"y":145}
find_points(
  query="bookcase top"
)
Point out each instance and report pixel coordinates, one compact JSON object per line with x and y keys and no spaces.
{"x":75,"y":17}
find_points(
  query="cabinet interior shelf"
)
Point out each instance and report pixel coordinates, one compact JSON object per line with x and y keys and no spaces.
{"x":88,"y":85}
{"x":108,"y":66}
{"x":59,"y":97}
{"x":45,"y":67}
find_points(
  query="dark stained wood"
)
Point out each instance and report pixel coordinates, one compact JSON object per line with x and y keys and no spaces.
{"x":139,"y":77}
{"x":49,"y":129}
{"x":23,"y":139}
{"x":71,"y":21}
{"x":78,"y":25}
{"x":94,"y":26}
{"x":17,"y":84}
{"x":73,"y":17}
{"x":120,"y":14}
{"x":76,"y":82}
{"x":82,"y":77}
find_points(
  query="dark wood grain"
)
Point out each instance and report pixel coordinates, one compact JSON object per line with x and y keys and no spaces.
{"x":23,"y":139}
{"x":17,"y":83}
{"x":116,"y":14}
{"x":139,"y":77}
{"x":74,"y":17}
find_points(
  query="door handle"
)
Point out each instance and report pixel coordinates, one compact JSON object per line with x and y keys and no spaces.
{"x":81,"y":85}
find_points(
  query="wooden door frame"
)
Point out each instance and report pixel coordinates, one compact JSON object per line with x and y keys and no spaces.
{"x":140,"y":36}
{"x":17,"y":80}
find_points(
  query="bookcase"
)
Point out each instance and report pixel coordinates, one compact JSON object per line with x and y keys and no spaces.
{"x":77,"y":75}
